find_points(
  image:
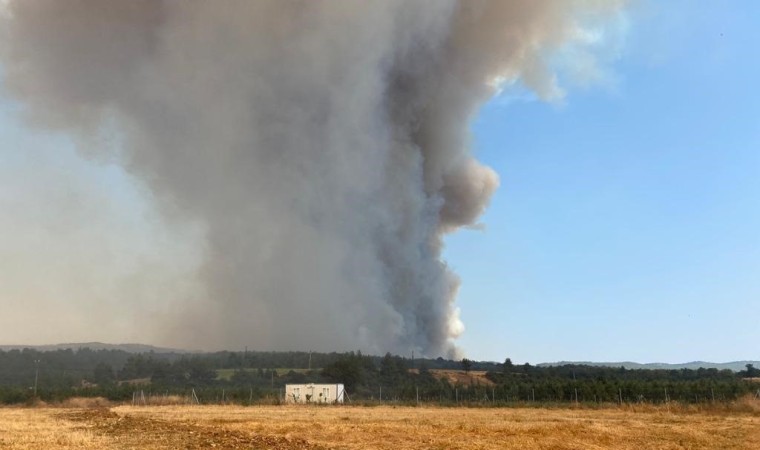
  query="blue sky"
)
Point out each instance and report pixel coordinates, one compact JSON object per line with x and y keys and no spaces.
{"x":627,"y":225}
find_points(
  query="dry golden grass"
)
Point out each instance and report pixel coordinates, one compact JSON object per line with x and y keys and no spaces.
{"x":40,"y":428}
{"x":383,"y":427}
{"x":86,"y":402}
{"x":477,"y":377}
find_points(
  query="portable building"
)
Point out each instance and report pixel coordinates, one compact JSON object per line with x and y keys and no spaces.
{"x":314,"y":393}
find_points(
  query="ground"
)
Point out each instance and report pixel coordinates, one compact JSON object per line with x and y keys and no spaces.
{"x":477,"y":377}
{"x":380,"y":427}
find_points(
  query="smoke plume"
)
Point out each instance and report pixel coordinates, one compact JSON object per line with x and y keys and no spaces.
{"x":323,"y":145}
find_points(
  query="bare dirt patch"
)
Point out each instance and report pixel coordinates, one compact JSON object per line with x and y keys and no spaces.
{"x":143,"y":431}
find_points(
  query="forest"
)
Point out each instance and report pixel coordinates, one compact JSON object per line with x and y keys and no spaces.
{"x":30,"y":375}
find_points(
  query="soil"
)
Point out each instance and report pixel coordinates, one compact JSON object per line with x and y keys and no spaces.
{"x":143,"y":432}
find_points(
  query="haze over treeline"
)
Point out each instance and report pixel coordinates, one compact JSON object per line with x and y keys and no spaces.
{"x":252,"y":376}
{"x":320,"y":151}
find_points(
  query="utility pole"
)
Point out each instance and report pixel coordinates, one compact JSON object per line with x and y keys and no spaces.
{"x":36,"y":374}
{"x":310,"y":360}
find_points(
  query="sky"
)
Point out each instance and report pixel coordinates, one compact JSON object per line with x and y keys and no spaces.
{"x":627,"y":222}
{"x":625,"y":227}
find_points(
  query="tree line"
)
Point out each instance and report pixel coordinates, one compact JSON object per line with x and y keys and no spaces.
{"x":244,"y":377}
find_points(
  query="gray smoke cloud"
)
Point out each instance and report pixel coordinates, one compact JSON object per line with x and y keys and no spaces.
{"x":323,"y":145}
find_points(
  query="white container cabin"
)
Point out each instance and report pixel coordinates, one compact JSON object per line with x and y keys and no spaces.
{"x":314,"y":393}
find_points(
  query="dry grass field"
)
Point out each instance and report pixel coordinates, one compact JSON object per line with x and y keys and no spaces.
{"x":477,"y":377}
{"x":382,"y":427}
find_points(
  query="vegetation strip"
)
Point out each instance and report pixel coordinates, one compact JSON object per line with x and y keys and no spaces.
{"x":30,"y":376}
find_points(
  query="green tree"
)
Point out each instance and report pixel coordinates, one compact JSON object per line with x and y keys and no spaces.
{"x":508,"y":366}
{"x":347,"y":371}
{"x":103,"y":374}
{"x":466,"y":365}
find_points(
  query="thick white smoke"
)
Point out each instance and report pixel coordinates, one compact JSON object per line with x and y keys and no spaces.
{"x":323,"y":144}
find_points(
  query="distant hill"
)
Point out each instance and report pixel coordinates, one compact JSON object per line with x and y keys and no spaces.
{"x":130,"y":348}
{"x":733,"y":365}
{"x":438,"y":363}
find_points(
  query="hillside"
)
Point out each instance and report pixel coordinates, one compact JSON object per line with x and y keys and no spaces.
{"x":454,"y":377}
{"x":733,"y":365}
{"x":437,"y":363}
{"x":129,"y":348}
